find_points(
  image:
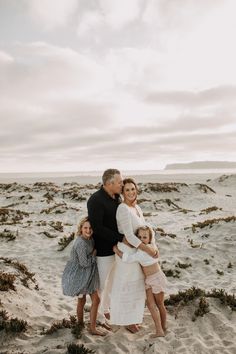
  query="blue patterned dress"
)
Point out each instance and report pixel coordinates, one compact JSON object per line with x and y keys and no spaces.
{"x":80,"y":275}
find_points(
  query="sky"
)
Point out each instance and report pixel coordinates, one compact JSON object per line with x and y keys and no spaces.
{"x":129,"y":84}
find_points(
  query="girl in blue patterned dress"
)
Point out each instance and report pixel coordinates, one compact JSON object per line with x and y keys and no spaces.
{"x":80,"y":276}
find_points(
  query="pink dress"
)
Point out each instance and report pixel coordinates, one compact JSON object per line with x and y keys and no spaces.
{"x":157,"y":281}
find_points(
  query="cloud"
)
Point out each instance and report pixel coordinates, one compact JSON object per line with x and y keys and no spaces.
{"x":119,"y":13}
{"x":130,"y":82}
{"x":5,"y":58}
{"x":89,"y":21}
{"x":43,"y":71}
{"x":6,"y":65}
{"x":53,"y":13}
{"x":111,"y":24}
{"x":115,"y":14}
{"x":66,"y":126}
{"x":49,"y":99}
{"x":133,"y":66}
{"x":152,"y":153}
{"x":178,"y":14}
{"x":108,"y":150}
{"x":203,"y":110}
{"x":124,"y":144}
{"x":65,"y":107}
{"x":194,"y":98}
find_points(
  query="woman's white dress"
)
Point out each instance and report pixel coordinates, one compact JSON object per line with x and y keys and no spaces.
{"x":128,"y":289}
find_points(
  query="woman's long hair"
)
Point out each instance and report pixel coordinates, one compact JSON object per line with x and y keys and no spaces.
{"x":129,"y":180}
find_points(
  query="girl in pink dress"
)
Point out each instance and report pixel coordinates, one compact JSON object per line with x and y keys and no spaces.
{"x":155,"y":280}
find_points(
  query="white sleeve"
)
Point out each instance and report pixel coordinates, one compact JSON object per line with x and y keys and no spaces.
{"x":124,"y":220}
{"x":130,"y":258}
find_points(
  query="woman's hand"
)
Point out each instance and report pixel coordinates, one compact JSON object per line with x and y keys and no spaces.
{"x":94,"y":253}
{"x":117,"y":251}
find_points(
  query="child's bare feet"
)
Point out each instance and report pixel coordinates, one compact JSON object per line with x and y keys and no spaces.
{"x":157,"y":334}
{"x":81,"y":323}
{"x":106,"y":326}
{"x":97,"y":332}
{"x":139,"y":326}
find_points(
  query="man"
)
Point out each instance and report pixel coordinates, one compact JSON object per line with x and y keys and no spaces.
{"x":102,"y":206}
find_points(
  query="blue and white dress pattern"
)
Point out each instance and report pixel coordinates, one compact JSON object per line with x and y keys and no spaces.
{"x":80,"y":275}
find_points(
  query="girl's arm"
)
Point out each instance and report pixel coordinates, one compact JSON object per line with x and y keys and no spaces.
{"x":152,"y":251}
{"x":84,"y":258}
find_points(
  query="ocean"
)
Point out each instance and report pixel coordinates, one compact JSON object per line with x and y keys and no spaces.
{"x":85,"y":177}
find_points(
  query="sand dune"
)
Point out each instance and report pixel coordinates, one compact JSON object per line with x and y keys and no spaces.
{"x":196,"y":234}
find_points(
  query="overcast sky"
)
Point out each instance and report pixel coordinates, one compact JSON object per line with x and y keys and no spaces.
{"x":132,"y":84}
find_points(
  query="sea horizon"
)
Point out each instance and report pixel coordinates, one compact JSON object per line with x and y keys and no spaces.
{"x":96,"y":173}
{"x":94,"y":177}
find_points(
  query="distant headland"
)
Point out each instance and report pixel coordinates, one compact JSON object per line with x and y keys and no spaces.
{"x":201,"y":165}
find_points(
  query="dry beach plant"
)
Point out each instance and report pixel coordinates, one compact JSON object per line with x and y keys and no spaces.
{"x":211,"y":222}
{"x":13,"y":325}
{"x":194,"y":293}
{"x":54,"y":209}
{"x":204,"y":188}
{"x":64,"y":241}
{"x":26,"y":275}
{"x":11,"y":216}
{"x":76,"y":328}
{"x":209,"y":210}
{"x":57,"y":225}
{"x":8,"y":234}
{"x":7,"y":281}
{"x":78,"y":349}
{"x":203,"y":308}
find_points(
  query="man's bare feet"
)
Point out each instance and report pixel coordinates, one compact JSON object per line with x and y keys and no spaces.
{"x":97,"y":332}
{"x":157,"y":334}
{"x":132,"y":328}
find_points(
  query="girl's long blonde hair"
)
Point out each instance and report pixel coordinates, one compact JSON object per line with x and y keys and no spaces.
{"x":151,"y":232}
{"x":145,"y":228}
{"x":80,"y":225}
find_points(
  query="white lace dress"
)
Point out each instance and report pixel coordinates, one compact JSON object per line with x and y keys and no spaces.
{"x":128,"y":289}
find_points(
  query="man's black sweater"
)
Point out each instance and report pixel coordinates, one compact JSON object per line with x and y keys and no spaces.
{"x":102,"y":215}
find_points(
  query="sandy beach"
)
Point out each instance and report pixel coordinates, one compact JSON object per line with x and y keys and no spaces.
{"x":194,"y":216}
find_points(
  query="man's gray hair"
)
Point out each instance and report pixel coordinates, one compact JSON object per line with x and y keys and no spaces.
{"x":108,"y":175}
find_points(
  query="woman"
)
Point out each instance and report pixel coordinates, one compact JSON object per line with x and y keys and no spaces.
{"x":128,"y":290}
